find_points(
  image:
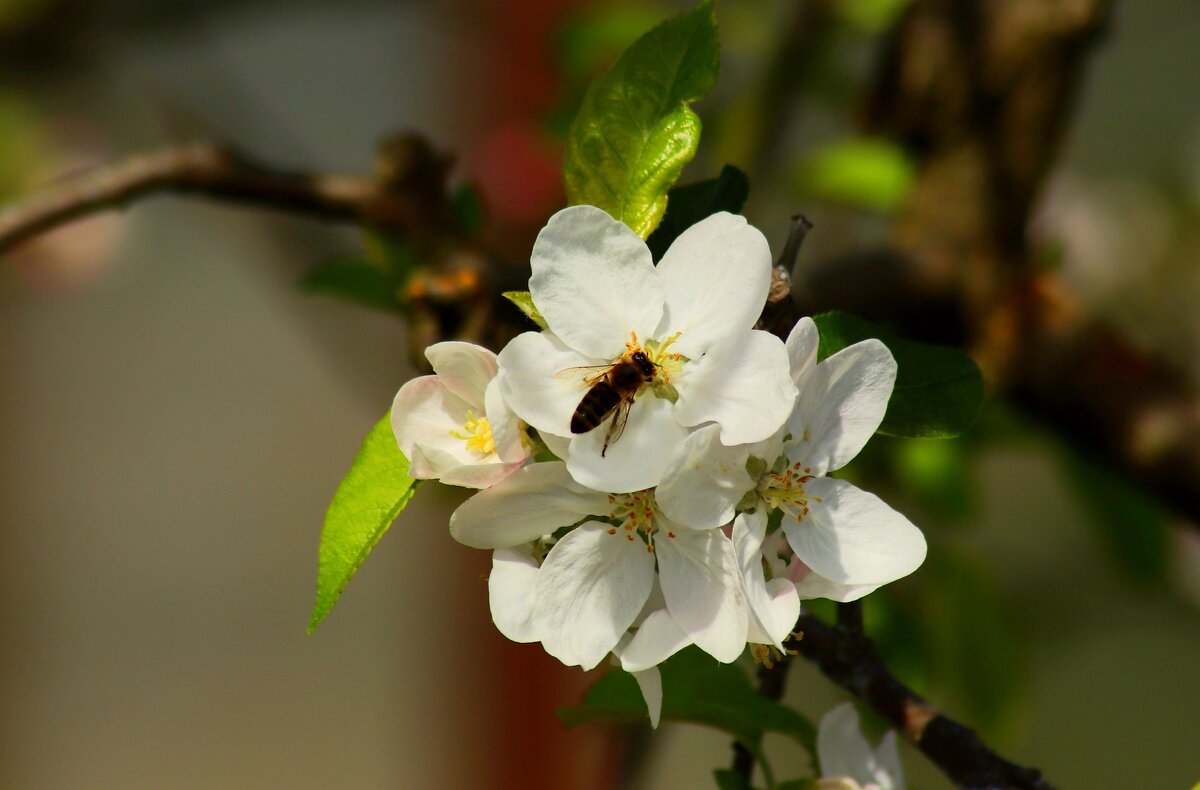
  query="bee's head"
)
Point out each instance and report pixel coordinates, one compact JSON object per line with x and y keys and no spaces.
{"x":643,"y":363}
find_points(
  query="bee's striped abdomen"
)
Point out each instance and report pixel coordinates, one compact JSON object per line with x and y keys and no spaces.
{"x":597,"y":404}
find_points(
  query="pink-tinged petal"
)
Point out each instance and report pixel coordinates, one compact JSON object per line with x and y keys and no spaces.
{"x":542,"y":380}
{"x":531,"y":502}
{"x":479,"y":475}
{"x":774,"y":605}
{"x":810,"y":584}
{"x":658,"y":638}
{"x":715,"y":277}
{"x":589,"y":590}
{"x":424,"y":416}
{"x":801,"y":345}
{"x":594,"y":282}
{"x":506,"y":428}
{"x":852,"y":537}
{"x":841,"y":404}
{"x":699,"y":574}
{"x":464,"y":368}
{"x":705,"y":480}
{"x":742,"y":384}
{"x":638,"y":460}
{"x":510,"y":593}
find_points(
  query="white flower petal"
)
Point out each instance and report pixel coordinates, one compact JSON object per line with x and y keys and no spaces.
{"x":424,"y":415}
{"x":699,"y":574}
{"x":650,"y":683}
{"x":559,"y":445}
{"x":889,"y":773}
{"x":506,"y":429}
{"x":658,"y":638}
{"x":594,"y":282}
{"x":840,"y":406}
{"x":589,"y":589}
{"x":774,"y":606}
{"x":715,"y":277}
{"x":542,"y":380}
{"x":510,"y":593}
{"x":742,"y":384}
{"x":841,"y":748}
{"x":802,"y":345}
{"x":531,"y":502}
{"x":705,"y":480}
{"x":638,"y":460}
{"x":852,"y":537}
{"x":810,"y":584}
{"x":464,"y":368}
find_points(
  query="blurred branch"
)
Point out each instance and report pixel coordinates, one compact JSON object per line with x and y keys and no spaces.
{"x":848,"y":658}
{"x":980,"y":95}
{"x":407,"y":193}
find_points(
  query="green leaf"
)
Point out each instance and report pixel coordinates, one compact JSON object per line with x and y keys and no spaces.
{"x":635,"y":130}
{"x":938,"y":390}
{"x":687,"y":205}
{"x":367,"y":501}
{"x":864,"y":172}
{"x":352,"y":279}
{"x":698,"y":690}
{"x":524,"y":302}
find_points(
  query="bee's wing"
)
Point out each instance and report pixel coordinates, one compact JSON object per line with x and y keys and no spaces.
{"x":617,"y":426}
{"x":587,"y":380}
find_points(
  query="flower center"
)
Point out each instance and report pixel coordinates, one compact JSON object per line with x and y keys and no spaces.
{"x":477,"y":433}
{"x":787,"y":487}
{"x":633,"y":514}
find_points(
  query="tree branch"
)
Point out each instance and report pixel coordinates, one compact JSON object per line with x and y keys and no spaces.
{"x":848,"y":658}
{"x":397,"y":198}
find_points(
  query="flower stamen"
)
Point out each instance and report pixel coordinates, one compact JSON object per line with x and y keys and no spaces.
{"x":477,"y":433}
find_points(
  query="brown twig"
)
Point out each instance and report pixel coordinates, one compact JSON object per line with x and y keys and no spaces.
{"x":848,"y":658}
{"x":395,"y":199}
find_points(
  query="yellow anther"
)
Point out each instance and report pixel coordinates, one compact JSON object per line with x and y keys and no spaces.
{"x":477,"y":433}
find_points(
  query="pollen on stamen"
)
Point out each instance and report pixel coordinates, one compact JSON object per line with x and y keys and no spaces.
{"x":612,"y":531}
{"x":629,"y":536}
{"x":670,"y":534}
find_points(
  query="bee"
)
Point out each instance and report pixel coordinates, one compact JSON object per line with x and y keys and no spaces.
{"x":612,"y":391}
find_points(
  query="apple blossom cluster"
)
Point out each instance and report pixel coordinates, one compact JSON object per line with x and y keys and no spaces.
{"x":639,"y":523}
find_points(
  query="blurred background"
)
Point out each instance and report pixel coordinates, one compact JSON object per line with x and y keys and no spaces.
{"x":175,"y":411}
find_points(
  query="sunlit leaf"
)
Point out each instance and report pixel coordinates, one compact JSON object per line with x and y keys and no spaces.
{"x":688,"y":204}
{"x":635,"y":130}
{"x":863,"y":172}
{"x":524,"y":302}
{"x":938,"y":390}
{"x":367,"y":501}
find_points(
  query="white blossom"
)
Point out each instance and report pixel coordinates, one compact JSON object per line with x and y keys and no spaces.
{"x":846,"y":542}
{"x":595,"y":580}
{"x":603,"y":299}
{"x":847,"y":760}
{"x":454,"y":426}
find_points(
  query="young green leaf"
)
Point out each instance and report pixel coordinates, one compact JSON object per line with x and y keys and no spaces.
{"x":687,"y":205}
{"x":635,"y":130}
{"x":698,"y":690}
{"x":938,"y":390}
{"x":367,"y":501}
{"x":524,"y":302}
{"x":352,"y":279}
